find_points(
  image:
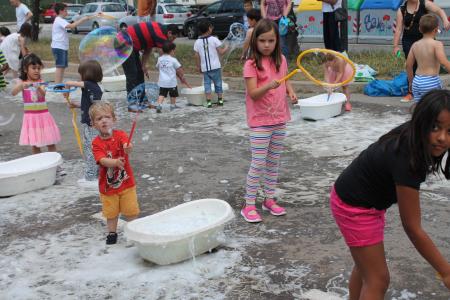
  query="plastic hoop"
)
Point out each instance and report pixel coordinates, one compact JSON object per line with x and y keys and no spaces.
{"x":60,"y":88}
{"x":237,"y":32}
{"x":312,"y":78}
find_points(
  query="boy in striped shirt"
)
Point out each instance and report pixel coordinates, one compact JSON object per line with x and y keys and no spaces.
{"x":429,"y":55}
{"x":3,"y":68}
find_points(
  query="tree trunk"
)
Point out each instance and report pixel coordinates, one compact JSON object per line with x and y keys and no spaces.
{"x":35,"y":20}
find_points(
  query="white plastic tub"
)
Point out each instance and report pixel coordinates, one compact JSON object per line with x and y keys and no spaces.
{"x":196,"y":95}
{"x":28,"y":173}
{"x":181,"y":232}
{"x":114,"y":83}
{"x":48,"y":74}
{"x":320,"y":107}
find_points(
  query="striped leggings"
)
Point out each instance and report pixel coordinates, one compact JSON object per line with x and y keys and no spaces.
{"x":267,"y":143}
{"x":90,"y":165}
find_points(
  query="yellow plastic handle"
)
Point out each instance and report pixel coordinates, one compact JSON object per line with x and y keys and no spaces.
{"x":323,"y":83}
{"x":288,"y":76}
{"x":75,"y":127}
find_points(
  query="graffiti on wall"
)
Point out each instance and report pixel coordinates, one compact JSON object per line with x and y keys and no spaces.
{"x":377,"y":24}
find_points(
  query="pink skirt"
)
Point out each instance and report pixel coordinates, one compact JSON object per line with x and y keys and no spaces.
{"x":348,"y":71}
{"x":39,"y":129}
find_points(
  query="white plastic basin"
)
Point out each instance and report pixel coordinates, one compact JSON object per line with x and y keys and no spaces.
{"x":48,"y":74}
{"x":320,"y":107}
{"x":28,"y":173}
{"x":114,"y":83}
{"x":196,"y":95}
{"x":181,"y":232}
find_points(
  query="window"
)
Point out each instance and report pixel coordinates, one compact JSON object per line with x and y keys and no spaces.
{"x":176,"y":9}
{"x":86,"y":9}
{"x":213,"y":8}
{"x":160,"y":10}
{"x":112,"y":8}
{"x":232,"y":6}
{"x":92,"y":8}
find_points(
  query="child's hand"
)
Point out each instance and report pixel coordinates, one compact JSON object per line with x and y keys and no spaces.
{"x":293,"y":97}
{"x":274,"y":84}
{"x":74,"y":105}
{"x":127,"y":148}
{"x":120,"y":163}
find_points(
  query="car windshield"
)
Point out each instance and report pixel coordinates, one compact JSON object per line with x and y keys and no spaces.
{"x":74,"y":8}
{"x":112,"y":8}
{"x":176,"y":9}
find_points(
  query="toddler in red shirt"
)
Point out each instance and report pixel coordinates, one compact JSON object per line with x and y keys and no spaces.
{"x":116,"y":181}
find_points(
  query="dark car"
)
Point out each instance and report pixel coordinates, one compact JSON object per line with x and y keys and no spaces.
{"x":221,"y":14}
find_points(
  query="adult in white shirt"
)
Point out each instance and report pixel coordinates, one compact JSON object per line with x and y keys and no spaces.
{"x":23,"y":13}
{"x":330,"y":25}
{"x":60,"y":39}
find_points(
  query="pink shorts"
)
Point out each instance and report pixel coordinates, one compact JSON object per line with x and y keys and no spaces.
{"x":360,"y":226}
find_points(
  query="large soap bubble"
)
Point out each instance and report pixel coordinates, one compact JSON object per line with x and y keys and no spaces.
{"x":235,"y":39}
{"x":107,"y":46}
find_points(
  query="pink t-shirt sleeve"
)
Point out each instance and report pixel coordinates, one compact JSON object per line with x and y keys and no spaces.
{"x":249,"y":69}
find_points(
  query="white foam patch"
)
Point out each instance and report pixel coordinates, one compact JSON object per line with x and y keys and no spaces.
{"x":319,"y":295}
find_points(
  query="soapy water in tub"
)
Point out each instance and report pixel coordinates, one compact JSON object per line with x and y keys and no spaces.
{"x":178,"y":224}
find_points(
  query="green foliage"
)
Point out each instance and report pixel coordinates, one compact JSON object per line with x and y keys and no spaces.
{"x":384,"y":62}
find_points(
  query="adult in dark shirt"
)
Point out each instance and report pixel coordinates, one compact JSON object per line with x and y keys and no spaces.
{"x":387,"y":172}
{"x":407,"y":26}
{"x":145,"y":36}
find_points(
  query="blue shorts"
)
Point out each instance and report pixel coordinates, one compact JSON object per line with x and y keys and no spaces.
{"x":61,"y":57}
{"x":424,"y":83}
{"x":214,"y":76}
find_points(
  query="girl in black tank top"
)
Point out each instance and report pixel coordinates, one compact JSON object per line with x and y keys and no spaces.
{"x":411,"y":21}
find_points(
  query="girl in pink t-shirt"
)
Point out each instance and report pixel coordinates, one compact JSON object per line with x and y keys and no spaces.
{"x":267,"y":114}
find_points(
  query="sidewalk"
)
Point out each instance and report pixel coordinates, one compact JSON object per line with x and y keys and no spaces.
{"x":236,"y":84}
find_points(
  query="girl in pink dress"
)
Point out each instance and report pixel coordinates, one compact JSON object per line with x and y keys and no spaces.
{"x":38,"y":126}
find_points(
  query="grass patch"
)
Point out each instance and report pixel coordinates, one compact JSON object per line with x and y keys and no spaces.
{"x":386,"y":64}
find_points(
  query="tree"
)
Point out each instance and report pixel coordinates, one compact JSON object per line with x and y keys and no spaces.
{"x":35,"y":20}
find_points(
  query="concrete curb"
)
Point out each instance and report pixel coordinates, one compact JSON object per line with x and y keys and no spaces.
{"x":236,"y":84}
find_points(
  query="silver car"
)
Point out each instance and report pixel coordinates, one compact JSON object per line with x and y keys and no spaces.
{"x":112,"y":12}
{"x":166,"y":13}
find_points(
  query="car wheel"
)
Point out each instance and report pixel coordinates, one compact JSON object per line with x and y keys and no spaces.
{"x":75,"y":30}
{"x":123,"y":26}
{"x":95,"y":26}
{"x":191,"y":32}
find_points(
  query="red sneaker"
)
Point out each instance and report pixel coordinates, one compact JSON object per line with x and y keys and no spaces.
{"x":273,"y":207}
{"x":250,"y":214}
{"x":348,"y":106}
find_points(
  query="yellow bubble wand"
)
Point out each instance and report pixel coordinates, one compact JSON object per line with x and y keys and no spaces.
{"x":300,"y":68}
{"x":61,"y":88}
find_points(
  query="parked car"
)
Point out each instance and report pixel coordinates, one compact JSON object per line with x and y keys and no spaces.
{"x":49,"y":14}
{"x":128,"y":8}
{"x":114,"y":10}
{"x":221,"y":14}
{"x":165,"y":14}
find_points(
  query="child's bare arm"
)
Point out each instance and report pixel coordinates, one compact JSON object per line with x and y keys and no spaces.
{"x":409,"y":66}
{"x":440,"y":55}
{"x":197,"y":62}
{"x":20,"y":86}
{"x":112,"y":162}
{"x":290,"y":92}
{"x":222,"y":50}
{"x":410,"y":215}
{"x":79,"y":84}
{"x":180,"y":75}
{"x":256,"y":92}
{"x":246,"y":44}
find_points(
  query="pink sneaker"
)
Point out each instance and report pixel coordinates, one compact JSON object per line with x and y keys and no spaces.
{"x":273,"y":207}
{"x":250,"y":214}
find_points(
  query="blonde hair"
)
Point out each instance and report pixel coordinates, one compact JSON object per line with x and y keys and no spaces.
{"x":101,"y":106}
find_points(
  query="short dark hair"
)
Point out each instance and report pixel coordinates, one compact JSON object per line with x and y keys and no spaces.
{"x":203,"y":26}
{"x":59,"y":7}
{"x":168,"y":47}
{"x":30,"y":59}
{"x":172,"y":28}
{"x":90,"y":70}
{"x":428,"y":23}
{"x":248,"y":1}
{"x":254,"y":14}
{"x":25,"y":30}
{"x":4,"y":31}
